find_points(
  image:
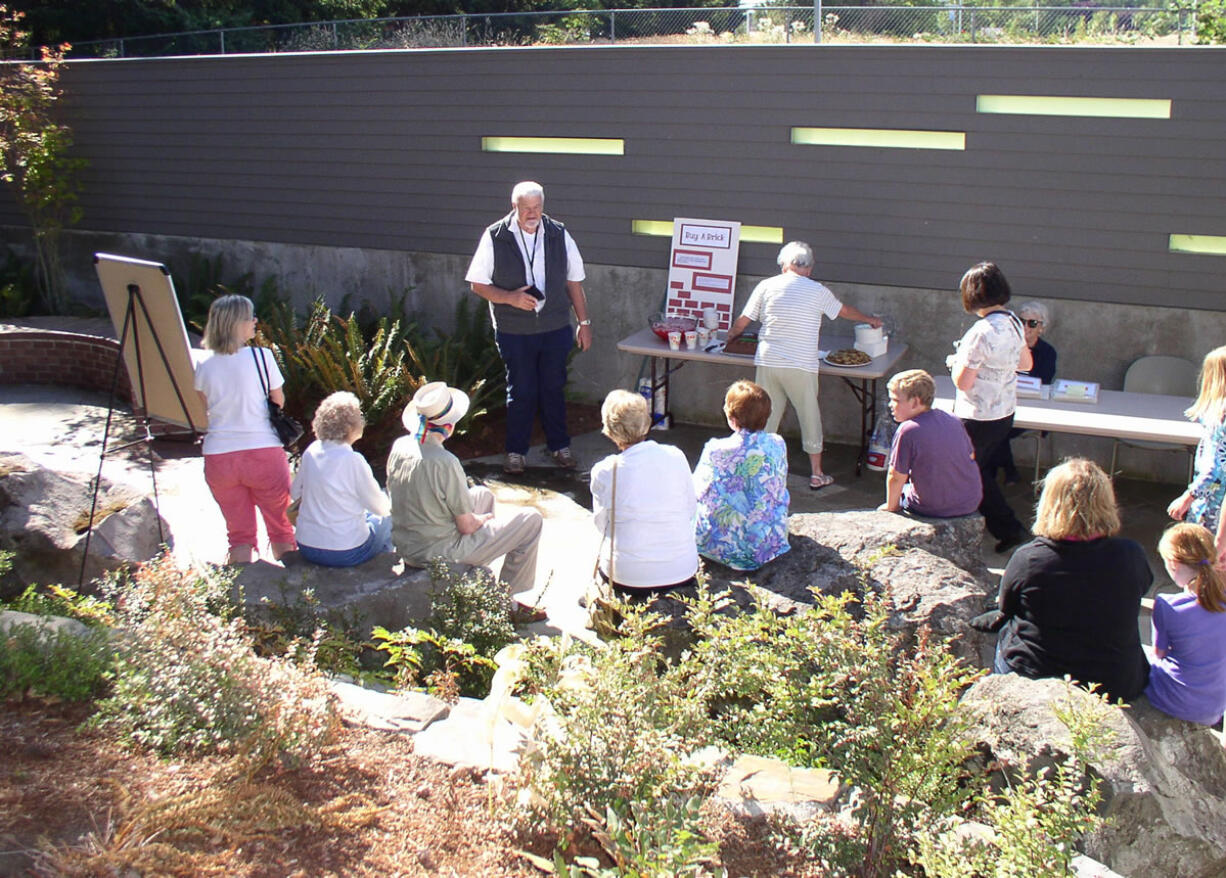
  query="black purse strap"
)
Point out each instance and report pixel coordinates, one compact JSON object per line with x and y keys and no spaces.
{"x":261,"y":369}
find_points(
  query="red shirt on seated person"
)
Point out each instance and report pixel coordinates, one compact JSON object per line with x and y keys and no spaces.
{"x":932,"y":470}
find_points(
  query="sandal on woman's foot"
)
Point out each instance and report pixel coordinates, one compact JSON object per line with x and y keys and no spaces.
{"x":819,"y":481}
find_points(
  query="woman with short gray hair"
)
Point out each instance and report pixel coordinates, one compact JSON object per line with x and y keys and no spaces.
{"x":644,"y":504}
{"x":345,"y":517}
{"x":787,"y":360}
{"x":1036,"y":318}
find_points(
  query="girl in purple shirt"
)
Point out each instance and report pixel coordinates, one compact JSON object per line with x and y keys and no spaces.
{"x":1187,"y":677}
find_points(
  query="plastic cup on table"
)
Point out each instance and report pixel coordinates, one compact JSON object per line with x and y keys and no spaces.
{"x":674,"y":339}
{"x":710,"y":318}
{"x":704,"y":336}
{"x":691,"y":339}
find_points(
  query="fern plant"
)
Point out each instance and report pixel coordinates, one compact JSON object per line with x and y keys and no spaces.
{"x":466,"y":357}
{"x":330,"y":353}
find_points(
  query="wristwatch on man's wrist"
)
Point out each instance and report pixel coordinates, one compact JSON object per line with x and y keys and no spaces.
{"x":585,"y":323}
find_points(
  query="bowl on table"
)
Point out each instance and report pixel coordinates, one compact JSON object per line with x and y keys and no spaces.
{"x":663,"y":324}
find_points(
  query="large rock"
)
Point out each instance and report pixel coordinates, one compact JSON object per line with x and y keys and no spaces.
{"x":931,"y":569}
{"x":1164,"y":780}
{"x":380,"y":592}
{"x":43,"y":519}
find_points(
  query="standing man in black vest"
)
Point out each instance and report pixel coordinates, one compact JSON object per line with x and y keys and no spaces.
{"x":528,"y":268}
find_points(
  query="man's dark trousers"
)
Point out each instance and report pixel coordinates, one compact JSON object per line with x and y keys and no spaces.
{"x":536,"y":379}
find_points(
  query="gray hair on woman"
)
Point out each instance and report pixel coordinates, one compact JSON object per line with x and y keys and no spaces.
{"x":1037,"y":310}
{"x":338,"y":417}
{"x":221,"y":329}
{"x":625,"y":418}
{"x":796,"y":253}
{"x":527,"y":189}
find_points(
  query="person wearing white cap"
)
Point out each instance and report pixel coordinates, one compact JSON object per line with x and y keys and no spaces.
{"x":434,"y":511}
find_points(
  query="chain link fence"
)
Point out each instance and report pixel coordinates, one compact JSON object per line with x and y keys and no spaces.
{"x":738,"y":25}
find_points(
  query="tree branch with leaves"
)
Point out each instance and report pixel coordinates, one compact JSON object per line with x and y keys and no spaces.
{"x":35,"y":151}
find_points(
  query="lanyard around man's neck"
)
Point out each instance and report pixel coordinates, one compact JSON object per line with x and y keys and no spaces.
{"x":530,"y":256}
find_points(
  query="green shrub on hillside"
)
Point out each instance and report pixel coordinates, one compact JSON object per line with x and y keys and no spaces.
{"x":36,"y":659}
{"x":187,"y":679}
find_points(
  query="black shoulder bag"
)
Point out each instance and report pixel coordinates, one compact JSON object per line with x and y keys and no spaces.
{"x":288,"y":430}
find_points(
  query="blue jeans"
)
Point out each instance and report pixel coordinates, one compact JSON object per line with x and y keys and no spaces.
{"x":379,"y":541}
{"x":999,"y":666}
{"x":536,"y":377}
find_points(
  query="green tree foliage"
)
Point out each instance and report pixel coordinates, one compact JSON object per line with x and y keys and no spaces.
{"x":34,"y":151}
{"x":1211,"y":21}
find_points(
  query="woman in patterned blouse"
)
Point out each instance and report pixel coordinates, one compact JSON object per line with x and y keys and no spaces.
{"x":741,"y":482}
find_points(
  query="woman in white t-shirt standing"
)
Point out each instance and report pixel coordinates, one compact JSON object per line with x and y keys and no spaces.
{"x":985,"y":370}
{"x":244,"y":464}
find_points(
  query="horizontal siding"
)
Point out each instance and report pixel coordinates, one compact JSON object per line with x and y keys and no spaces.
{"x":383,"y":150}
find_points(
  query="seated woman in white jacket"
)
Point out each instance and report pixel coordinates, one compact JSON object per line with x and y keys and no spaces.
{"x":345,"y":517}
{"x":644,"y":502}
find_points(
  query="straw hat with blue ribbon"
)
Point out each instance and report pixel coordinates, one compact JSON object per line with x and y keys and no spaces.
{"x":434,"y":405}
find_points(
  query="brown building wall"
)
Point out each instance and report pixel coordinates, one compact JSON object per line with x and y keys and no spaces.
{"x":383,"y":150}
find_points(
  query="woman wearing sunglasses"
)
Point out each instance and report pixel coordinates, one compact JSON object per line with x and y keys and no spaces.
{"x":1035,"y":319}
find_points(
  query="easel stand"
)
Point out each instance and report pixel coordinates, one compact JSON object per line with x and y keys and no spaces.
{"x":130,"y":333}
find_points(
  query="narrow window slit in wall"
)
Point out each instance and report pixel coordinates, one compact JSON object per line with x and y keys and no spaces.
{"x":1050,"y":105}
{"x":556,"y":145}
{"x":889,"y":138}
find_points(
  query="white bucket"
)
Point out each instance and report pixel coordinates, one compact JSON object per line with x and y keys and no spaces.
{"x":867,"y":335}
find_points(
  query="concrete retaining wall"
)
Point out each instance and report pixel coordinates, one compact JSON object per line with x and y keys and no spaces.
{"x":1095,"y":341}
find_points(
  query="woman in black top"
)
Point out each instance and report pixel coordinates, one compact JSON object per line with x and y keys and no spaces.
{"x":1072,"y":595}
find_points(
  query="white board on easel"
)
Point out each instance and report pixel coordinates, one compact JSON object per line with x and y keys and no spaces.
{"x":156,"y":349}
{"x":702,"y":268}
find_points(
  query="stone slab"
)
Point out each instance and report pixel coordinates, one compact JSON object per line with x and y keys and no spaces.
{"x":392,"y":711}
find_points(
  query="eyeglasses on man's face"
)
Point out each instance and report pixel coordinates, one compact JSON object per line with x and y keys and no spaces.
{"x":1032,"y":323}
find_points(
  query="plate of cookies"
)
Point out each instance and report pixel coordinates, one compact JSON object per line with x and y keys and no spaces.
{"x":847,"y":358}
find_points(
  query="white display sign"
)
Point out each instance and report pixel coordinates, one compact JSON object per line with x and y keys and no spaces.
{"x":702,"y":268}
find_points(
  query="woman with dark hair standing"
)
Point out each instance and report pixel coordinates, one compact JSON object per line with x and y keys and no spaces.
{"x":984,"y":370}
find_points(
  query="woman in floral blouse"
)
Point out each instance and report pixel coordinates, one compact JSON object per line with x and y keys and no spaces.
{"x":1202,"y":503}
{"x":741,"y":481}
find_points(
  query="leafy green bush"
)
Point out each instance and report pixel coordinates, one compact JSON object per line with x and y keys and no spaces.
{"x":290,"y":625}
{"x":834,"y":689}
{"x":469,"y":623}
{"x":39,"y":660}
{"x":56,"y":600}
{"x":1211,"y":21}
{"x":1032,"y":825}
{"x":322,"y":352}
{"x":445,"y":666}
{"x":663,"y":838}
{"x":188,"y":679}
{"x":621,"y":736}
{"x":472,"y":606}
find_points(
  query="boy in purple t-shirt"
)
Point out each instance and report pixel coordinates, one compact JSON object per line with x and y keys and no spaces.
{"x":932,"y":468}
